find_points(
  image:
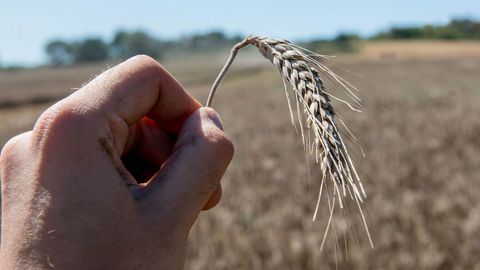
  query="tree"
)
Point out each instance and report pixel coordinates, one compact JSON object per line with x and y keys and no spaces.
{"x":207,"y":41}
{"x":125,"y":45}
{"x":347,"y":37}
{"x":59,"y":53}
{"x":90,"y":50}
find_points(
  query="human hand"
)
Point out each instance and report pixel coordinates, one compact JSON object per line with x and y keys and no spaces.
{"x":113,"y":176}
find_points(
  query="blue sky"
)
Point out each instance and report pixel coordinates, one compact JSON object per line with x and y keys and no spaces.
{"x":25,"y":26}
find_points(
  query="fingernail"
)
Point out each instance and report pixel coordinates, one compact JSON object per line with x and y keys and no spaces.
{"x":213,"y":115}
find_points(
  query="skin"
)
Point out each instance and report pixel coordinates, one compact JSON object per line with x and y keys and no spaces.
{"x":113,"y":176}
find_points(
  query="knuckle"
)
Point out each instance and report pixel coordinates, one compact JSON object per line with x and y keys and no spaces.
{"x":147,"y":66}
{"x":14,"y":144}
{"x":8,"y":150}
{"x":144,"y":58}
{"x":53,"y":116}
{"x":217,"y":140}
{"x":61,"y":118}
{"x":11,"y":150}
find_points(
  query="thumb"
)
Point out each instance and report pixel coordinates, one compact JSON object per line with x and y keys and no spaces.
{"x":191,"y":174}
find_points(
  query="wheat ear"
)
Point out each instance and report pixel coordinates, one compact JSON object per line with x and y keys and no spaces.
{"x":302,"y":69}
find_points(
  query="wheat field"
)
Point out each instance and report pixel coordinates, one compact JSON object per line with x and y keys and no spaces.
{"x":420,"y":133}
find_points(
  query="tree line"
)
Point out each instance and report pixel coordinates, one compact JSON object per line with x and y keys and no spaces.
{"x":454,"y":30}
{"x":125,"y":44}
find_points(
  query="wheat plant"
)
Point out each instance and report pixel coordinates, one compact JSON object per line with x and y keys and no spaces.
{"x":303,"y":70}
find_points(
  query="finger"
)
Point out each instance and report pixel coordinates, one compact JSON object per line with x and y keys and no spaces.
{"x":149,"y":150}
{"x":191,"y":174}
{"x":127,"y":92}
{"x":140,"y":86}
{"x":100,"y":114}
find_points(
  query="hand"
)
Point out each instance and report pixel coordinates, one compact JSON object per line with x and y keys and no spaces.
{"x":113,"y":176}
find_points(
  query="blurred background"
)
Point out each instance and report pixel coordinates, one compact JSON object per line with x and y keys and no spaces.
{"x":417,"y":64}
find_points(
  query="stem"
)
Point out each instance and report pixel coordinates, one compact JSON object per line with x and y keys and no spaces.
{"x":225,"y":68}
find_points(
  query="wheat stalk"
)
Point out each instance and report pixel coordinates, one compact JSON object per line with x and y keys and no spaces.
{"x":302,"y":68}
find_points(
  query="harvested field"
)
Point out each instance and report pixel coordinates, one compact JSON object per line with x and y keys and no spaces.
{"x":420,"y":134}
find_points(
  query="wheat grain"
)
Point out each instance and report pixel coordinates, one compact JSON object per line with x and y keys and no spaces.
{"x":302,"y":69}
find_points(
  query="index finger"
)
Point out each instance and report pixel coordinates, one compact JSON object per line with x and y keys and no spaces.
{"x":137,"y":87}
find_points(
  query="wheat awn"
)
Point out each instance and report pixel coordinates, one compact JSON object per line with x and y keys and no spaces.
{"x":302,"y":69}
